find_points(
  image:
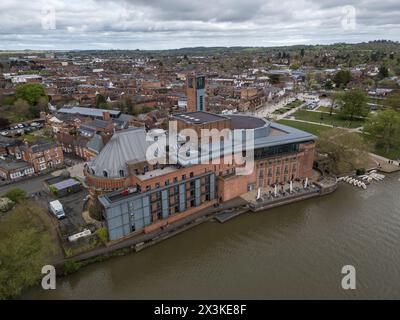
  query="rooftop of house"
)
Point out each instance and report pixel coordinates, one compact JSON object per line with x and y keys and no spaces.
{"x":10,"y":165}
{"x":90,"y":112}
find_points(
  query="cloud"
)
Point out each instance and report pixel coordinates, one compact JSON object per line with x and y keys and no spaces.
{"x":162,"y":24}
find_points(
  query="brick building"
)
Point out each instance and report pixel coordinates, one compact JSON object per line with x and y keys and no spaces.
{"x":137,"y":195}
{"x":195,"y":91}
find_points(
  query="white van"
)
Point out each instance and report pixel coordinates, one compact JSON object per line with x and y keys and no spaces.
{"x":57,"y":209}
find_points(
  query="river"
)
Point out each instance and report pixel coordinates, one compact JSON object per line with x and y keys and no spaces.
{"x":295,"y":251}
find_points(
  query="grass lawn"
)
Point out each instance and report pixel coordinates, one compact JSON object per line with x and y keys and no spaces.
{"x":327,"y":109}
{"x":33,"y":138}
{"x":308,"y":127}
{"x":28,"y":241}
{"x":327,"y":119}
{"x":288,"y":107}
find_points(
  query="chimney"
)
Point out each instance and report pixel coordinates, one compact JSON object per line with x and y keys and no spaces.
{"x":106,"y":116}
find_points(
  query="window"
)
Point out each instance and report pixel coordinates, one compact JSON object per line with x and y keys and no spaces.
{"x":105,"y":173}
{"x":121,"y":173}
{"x":201,"y":108}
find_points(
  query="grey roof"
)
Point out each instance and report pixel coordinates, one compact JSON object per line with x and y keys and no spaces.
{"x":95,"y":124}
{"x":95,"y":143}
{"x":14,"y":165}
{"x":128,"y":145}
{"x":66,"y":184}
{"x":7,"y":142}
{"x":199,"y":117}
{"x":42,"y":146}
{"x":90,"y":112}
{"x":290,"y":135}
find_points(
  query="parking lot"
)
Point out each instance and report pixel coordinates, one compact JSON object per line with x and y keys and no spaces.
{"x":73,"y":205}
{"x":21,"y":128}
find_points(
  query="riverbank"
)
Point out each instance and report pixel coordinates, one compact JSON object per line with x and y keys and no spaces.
{"x":220,"y":212}
{"x":294,"y":251}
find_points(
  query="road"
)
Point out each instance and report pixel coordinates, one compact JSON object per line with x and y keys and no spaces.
{"x":30,"y":185}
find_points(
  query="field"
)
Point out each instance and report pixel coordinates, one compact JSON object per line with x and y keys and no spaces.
{"x":326,"y":118}
{"x":288,"y":107}
{"x":308,"y":127}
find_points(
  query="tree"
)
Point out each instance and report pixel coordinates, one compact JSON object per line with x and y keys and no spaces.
{"x":328,"y":84}
{"x":16,"y":194}
{"x":392,"y":100}
{"x":128,"y":104}
{"x":101,"y":101}
{"x":43,"y":104}
{"x":26,"y":245}
{"x":342,"y":78}
{"x":353,"y":104}
{"x":309,"y":80}
{"x":4,"y":122}
{"x":384,"y":129}
{"x":383,"y":72}
{"x":335,"y":100}
{"x":30,"y":92}
{"x":22,"y":107}
{"x":34,"y":111}
{"x":275,"y":78}
{"x":342,"y":151}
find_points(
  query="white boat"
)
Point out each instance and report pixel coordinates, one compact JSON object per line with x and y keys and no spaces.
{"x":363,"y":185}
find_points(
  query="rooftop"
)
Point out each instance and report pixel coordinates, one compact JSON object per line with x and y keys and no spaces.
{"x":90,"y":112}
{"x":198,"y":117}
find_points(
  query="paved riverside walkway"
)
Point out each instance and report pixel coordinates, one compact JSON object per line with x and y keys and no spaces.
{"x":382,"y":163}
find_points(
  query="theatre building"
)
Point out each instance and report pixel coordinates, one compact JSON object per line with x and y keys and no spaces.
{"x":138,"y":196}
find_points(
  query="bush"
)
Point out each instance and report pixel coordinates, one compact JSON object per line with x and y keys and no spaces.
{"x":95,"y":212}
{"x":360,"y":171}
{"x":71,"y":266}
{"x":102,"y":233}
{"x":54,"y":190}
{"x":17,"y":195}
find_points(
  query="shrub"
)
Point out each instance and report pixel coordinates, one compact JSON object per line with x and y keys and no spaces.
{"x":71,"y":266}
{"x":102,"y":233}
{"x":360,"y":171}
{"x":54,"y":190}
{"x":17,"y":195}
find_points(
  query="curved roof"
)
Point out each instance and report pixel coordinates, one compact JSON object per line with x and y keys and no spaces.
{"x":246,"y":122}
{"x":128,"y":145}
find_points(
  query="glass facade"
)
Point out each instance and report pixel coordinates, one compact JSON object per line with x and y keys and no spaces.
{"x":275,"y":150}
{"x":136,"y":212}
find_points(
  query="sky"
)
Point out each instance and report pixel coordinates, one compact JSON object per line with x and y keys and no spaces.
{"x":159,"y":24}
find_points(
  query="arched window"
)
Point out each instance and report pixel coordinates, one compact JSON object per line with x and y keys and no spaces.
{"x":121,"y":173}
{"x":105,"y":173}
